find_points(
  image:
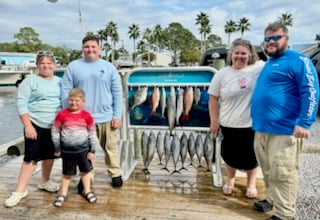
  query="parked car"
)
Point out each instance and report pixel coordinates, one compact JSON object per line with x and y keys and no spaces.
{"x":211,"y":54}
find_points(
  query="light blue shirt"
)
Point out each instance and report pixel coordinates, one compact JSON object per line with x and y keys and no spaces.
{"x":101,"y":82}
{"x":40,"y":98}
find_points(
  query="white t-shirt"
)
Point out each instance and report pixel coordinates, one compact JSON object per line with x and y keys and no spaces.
{"x":234,"y":89}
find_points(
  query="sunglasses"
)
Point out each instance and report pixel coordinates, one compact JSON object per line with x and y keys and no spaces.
{"x":45,"y":53}
{"x":274,"y":38}
{"x":241,"y":41}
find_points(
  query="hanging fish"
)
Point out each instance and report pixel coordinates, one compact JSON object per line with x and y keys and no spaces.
{"x":139,"y":97}
{"x":197,"y":95}
{"x":160,"y":145}
{"x":154,"y":100}
{"x":183,"y":149}
{"x":144,"y":143}
{"x":187,"y":102}
{"x":179,"y":108}
{"x":199,"y":148}
{"x":175,"y":150}
{"x":163,"y":100}
{"x":191,"y":147}
{"x":208,"y":149}
{"x":151,"y":148}
{"x":167,"y":149}
{"x":171,"y":109}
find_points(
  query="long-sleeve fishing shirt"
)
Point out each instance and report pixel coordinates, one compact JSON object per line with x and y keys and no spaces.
{"x":102,"y":85}
{"x":286,"y":94}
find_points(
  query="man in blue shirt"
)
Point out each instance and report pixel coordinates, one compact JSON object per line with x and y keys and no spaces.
{"x":284,"y":106}
{"x":102,"y":84}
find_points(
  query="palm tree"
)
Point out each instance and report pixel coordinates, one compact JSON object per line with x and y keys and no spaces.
{"x":112,"y":31}
{"x":229,"y":28}
{"x":205,"y":28}
{"x":157,"y":33}
{"x":317,"y":38}
{"x":243,"y":25}
{"x":134,"y":33}
{"x":286,"y":19}
{"x":147,"y":35}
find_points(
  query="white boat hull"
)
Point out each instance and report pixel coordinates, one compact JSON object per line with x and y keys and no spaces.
{"x":9,"y":78}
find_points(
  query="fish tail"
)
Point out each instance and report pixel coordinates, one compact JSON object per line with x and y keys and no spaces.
{"x":165,"y":168}
{"x":175,"y":171}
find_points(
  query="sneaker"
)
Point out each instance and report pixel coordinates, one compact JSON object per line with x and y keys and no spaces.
{"x":15,"y":198}
{"x":117,"y":182}
{"x":49,"y":186}
{"x":263,"y":206}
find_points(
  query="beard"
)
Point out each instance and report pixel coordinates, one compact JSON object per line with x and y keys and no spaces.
{"x":279,"y":50}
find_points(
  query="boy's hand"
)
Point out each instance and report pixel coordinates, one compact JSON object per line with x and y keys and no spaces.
{"x":57,"y":154}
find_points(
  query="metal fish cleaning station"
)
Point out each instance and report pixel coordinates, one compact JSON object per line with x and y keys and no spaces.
{"x":139,"y":119}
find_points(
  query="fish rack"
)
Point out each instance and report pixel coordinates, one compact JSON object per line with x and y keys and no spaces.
{"x":157,"y":100}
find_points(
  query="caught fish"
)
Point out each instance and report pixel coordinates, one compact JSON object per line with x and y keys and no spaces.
{"x":171,"y":109}
{"x":216,"y":165}
{"x":197,"y":95}
{"x":208,"y":149}
{"x":167,"y":149}
{"x":175,"y":150}
{"x":183,"y":149}
{"x":144,"y":143}
{"x":151,"y":149}
{"x":199,"y":148}
{"x":139,"y":97}
{"x":179,"y":108}
{"x":160,"y":145}
{"x":154,"y":100}
{"x":191,"y":147}
{"x":187,"y":102}
{"x":163,"y":101}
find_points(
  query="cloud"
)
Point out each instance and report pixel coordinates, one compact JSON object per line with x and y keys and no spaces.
{"x":64,"y":23}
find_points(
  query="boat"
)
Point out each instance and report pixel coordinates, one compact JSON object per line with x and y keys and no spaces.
{"x":12,"y":77}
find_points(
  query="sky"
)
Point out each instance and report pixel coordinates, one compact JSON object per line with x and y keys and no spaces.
{"x":65,"y":22}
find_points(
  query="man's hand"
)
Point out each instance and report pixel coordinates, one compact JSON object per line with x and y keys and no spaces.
{"x":300,"y":132}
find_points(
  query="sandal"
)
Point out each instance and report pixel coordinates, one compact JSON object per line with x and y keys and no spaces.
{"x":15,"y":198}
{"x":227,"y":189}
{"x":60,"y":199}
{"x":251,"y":193}
{"x":49,"y":186}
{"x":90,"y":197}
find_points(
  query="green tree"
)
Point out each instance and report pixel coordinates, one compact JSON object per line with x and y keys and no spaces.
{"x":214,"y":41}
{"x":190,"y":56}
{"x":317,"y":38}
{"x":286,"y":19}
{"x":243,"y":25}
{"x":176,"y":38}
{"x":157,"y":33}
{"x":148,"y":37}
{"x":27,"y":39}
{"x":229,"y":28}
{"x":134,"y":33}
{"x":205,"y":28}
{"x":112,"y":32}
